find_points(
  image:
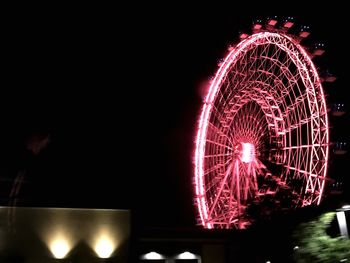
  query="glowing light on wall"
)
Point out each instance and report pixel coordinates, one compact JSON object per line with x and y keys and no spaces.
{"x":152,"y":256}
{"x":104,"y":247}
{"x":60,"y":247}
{"x":187,"y":255}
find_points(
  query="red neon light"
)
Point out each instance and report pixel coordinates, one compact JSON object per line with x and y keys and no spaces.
{"x":265,"y":97}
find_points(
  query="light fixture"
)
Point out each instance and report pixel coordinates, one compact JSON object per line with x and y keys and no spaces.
{"x":104,"y":247}
{"x":152,"y":256}
{"x":342,"y":220}
{"x":60,"y":247}
{"x":187,"y":255}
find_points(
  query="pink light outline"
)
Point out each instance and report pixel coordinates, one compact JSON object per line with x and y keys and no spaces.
{"x":213,"y":90}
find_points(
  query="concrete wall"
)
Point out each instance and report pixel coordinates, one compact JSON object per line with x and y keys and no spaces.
{"x":31,"y":234}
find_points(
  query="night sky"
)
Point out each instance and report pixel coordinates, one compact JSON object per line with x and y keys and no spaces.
{"x":119,"y":98}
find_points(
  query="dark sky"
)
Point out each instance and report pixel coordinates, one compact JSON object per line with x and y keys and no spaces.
{"x":119,"y":97}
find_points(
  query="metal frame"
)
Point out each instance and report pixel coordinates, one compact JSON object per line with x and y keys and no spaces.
{"x":267,"y":92}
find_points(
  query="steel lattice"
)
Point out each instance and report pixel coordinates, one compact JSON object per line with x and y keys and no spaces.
{"x":263,"y":130}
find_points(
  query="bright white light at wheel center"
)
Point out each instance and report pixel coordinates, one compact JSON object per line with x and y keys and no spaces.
{"x":248,"y":152}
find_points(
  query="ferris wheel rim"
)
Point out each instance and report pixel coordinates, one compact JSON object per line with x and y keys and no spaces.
{"x":307,"y":68}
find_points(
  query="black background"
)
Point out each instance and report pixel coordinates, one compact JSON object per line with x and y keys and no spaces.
{"x":119,"y":90}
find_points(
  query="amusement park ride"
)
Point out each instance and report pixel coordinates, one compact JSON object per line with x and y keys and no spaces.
{"x":263,"y":139}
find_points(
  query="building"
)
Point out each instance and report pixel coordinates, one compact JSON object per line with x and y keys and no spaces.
{"x":34,"y":235}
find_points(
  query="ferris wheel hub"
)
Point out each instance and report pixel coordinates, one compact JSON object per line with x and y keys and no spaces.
{"x":246,"y":152}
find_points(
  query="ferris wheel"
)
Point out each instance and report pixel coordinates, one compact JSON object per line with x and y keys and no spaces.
{"x":262,"y":132}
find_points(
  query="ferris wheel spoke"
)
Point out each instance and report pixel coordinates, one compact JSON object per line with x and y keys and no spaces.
{"x":219,"y":145}
{"x":215,"y":173}
{"x":215,"y":155}
{"x":299,"y":172}
{"x":212,"y":129}
{"x":221,"y":188}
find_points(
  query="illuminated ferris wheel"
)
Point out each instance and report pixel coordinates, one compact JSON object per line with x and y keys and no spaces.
{"x":262,"y":132}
